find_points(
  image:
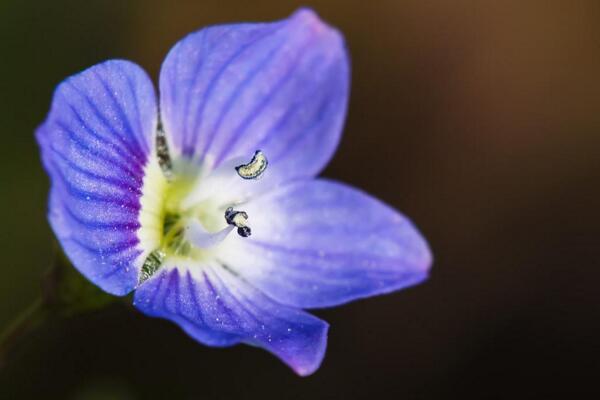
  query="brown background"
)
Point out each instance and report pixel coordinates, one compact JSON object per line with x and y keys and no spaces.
{"x":478,"y":119}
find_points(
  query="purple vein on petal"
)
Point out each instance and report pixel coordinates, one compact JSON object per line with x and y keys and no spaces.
{"x":134,"y":97}
{"x":95,"y":225}
{"x":188,"y":148}
{"x":314,"y":254}
{"x":90,"y":196}
{"x":283,"y":119}
{"x":293,"y":142}
{"x":103,"y":155}
{"x":261,"y":105}
{"x":131,"y":152}
{"x":225,"y":289}
{"x":172,"y":285}
{"x":194,"y":297}
{"x":111,"y":250}
{"x":157,"y":290}
{"x":119,"y":267}
{"x":122,"y":115}
{"x":117,"y":183}
{"x":215,"y":79}
{"x":217,"y":297}
{"x":238,"y":90}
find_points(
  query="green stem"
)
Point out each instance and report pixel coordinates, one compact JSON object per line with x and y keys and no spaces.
{"x":24,"y":323}
{"x":65,"y":293}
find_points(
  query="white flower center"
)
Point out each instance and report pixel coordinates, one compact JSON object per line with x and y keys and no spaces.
{"x":188,"y":209}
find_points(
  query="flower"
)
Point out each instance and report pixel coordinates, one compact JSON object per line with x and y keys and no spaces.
{"x":206,"y":204}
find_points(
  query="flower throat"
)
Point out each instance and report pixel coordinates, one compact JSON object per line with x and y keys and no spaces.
{"x":182,"y":222}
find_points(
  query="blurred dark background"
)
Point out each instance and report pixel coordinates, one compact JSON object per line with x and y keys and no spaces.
{"x":479,"y":119}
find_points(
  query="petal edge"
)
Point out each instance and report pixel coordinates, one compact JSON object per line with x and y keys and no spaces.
{"x":95,"y":145}
{"x":319,"y":244}
{"x":278,"y":87}
{"x":217,"y":308}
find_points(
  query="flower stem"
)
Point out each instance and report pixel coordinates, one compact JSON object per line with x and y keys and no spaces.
{"x":24,"y":323}
{"x":65,"y":293}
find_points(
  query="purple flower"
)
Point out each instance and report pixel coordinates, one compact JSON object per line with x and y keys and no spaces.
{"x":206,"y":202}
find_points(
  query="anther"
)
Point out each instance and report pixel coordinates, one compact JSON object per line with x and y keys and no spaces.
{"x":244,"y":231}
{"x":151,"y":264}
{"x":238,"y":219}
{"x":162,"y":151}
{"x":255,"y":168}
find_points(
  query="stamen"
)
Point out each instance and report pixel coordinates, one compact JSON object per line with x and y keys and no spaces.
{"x":223,"y":183}
{"x":151,"y":265}
{"x":162,"y":152}
{"x":238,"y":219}
{"x":255,"y":168}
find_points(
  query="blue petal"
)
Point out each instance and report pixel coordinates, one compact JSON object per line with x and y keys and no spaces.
{"x":95,"y":144}
{"x":319,"y":243}
{"x":281,"y":87}
{"x":217,"y":308}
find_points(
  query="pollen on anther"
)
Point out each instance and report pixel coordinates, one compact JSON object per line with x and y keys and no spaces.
{"x":255,"y":168}
{"x":238,"y":219}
